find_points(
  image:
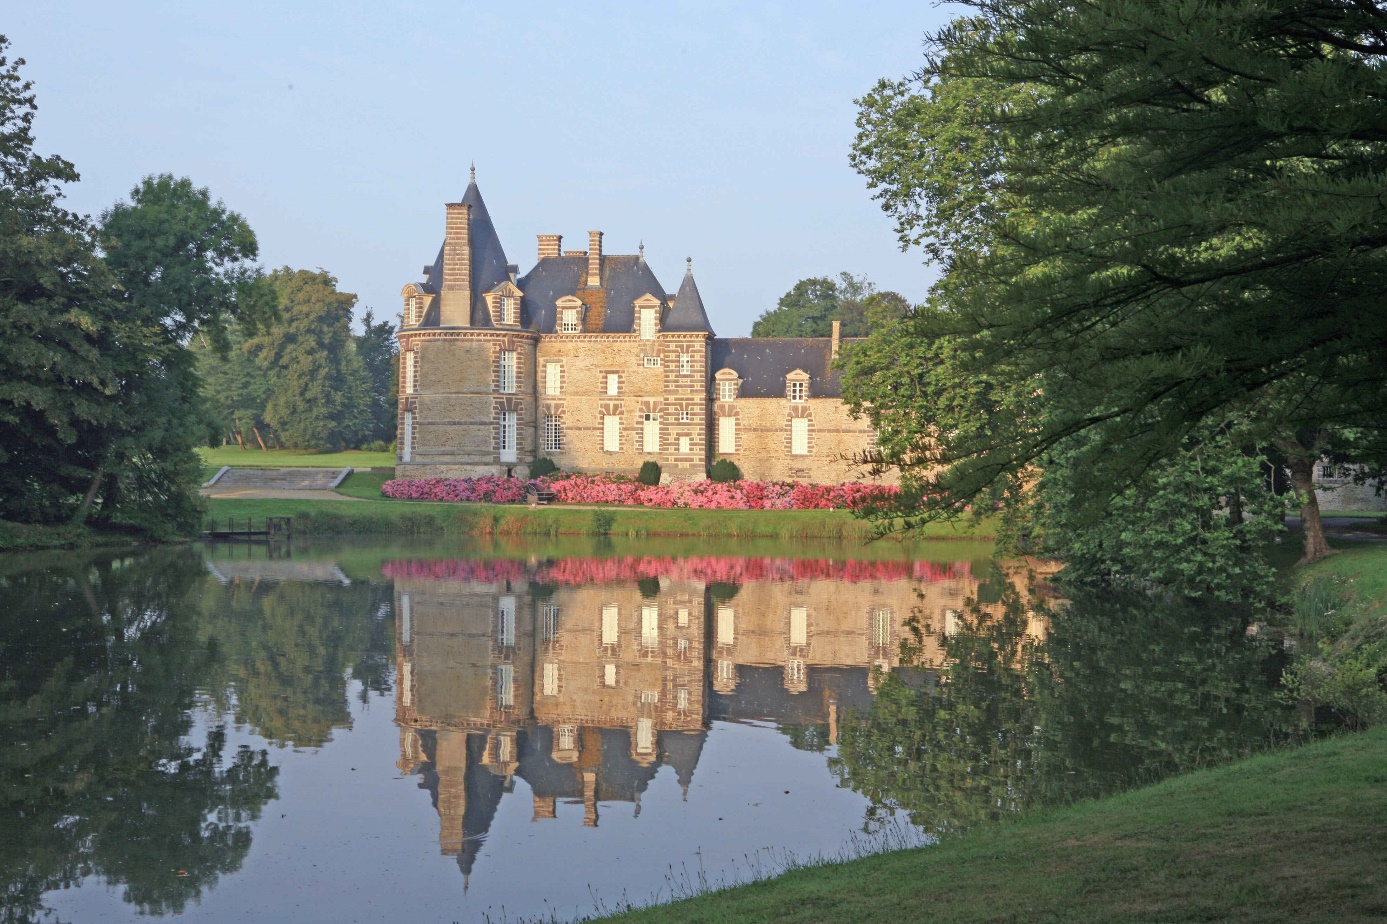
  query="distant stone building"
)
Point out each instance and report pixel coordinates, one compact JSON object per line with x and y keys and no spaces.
{"x":1337,"y":489}
{"x":587,"y":360}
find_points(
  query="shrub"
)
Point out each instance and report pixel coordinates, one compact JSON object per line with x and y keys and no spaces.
{"x":650,"y":473}
{"x":376,"y":446}
{"x":543,"y":466}
{"x":724,"y":470}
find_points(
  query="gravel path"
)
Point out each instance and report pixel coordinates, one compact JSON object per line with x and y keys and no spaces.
{"x":274,"y":494}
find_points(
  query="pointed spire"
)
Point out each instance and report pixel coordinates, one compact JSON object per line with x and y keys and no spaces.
{"x":688,"y":314}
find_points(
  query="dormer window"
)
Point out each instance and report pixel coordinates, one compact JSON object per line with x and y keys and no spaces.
{"x":647,"y":323}
{"x":568,"y":320}
{"x":508,"y":312}
{"x":799,"y":391}
{"x":416,"y":310}
{"x":727,"y":390}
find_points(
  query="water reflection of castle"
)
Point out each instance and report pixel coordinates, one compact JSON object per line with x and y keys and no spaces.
{"x":584,"y":676}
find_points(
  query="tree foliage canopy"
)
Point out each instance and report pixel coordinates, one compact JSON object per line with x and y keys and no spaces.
{"x":1153,"y":218}
{"x":812,"y":305}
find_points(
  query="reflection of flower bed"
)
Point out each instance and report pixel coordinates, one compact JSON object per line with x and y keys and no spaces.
{"x":609,"y":489}
{"x":705,"y":568}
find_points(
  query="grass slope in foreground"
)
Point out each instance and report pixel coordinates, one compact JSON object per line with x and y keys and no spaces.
{"x":1296,"y":836}
{"x":286,"y":458}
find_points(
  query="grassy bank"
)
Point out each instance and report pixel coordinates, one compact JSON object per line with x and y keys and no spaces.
{"x":1294,"y":836}
{"x":285,"y":458}
{"x":390,"y":517}
{"x":24,"y":537}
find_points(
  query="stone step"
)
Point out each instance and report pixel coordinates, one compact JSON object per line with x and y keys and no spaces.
{"x":283,"y":479}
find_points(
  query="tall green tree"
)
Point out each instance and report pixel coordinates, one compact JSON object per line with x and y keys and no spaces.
{"x":1159,"y":215}
{"x":379,"y":352}
{"x":320,"y":391}
{"x":59,"y":328}
{"x":236,"y":391}
{"x":812,"y":305}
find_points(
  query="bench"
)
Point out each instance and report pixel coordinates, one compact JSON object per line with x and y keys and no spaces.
{"x":537,"y":494}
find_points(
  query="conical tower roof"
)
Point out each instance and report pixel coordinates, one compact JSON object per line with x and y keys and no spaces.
{"x":688,"y":314}
{"x":488,"y":256}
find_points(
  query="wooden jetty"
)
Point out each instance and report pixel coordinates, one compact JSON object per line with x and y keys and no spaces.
{"x":272,"y":529}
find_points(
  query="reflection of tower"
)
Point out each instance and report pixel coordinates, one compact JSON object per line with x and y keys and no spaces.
{"x":681,"y":751}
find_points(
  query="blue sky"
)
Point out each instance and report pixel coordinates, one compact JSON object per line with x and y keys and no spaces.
{"x":714,"y":130}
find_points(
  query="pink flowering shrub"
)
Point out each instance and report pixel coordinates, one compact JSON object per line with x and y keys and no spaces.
{"x":609,"y":489}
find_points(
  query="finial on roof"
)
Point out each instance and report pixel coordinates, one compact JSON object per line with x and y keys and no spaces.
{"x":642,"y":250}
{"x":473,"y":177}
{"x":688,"y":264}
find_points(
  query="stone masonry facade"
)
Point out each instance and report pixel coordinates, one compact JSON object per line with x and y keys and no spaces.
{"x":588,"y":361}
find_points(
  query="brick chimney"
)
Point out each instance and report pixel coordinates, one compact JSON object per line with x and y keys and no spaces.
{"x":550,"y":245}
{"x":455,"y":300}
{"x":837,"y":337}
{"x":594,"y":259}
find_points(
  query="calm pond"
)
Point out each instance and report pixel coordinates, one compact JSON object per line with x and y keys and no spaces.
{"x":470,"y":732}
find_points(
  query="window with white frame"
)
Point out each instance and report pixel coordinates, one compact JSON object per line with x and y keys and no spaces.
{"x":505,"y":685}
{"x":406,"y":622}
{"x":507,"y":436}
{"x":650,"y":697}
{"x":508,"y":309}
{"x":507,"y":372}
{"x":727,"y":625}
{"x":681,"y":617}
{"x":407,"y":449}
{"x":684,"y":445}
{"x":551,"y":680}
{"x":503,"y":749}
{"x":645,"y":736}
{"x":799,"y":391}
{"x":682,"y":647}
{"x":611,"y":433}
{"x":553,"y":433}
{"x":411,"y":372}
{"x":647,"y":323}
{"x":727,"y":434}
{"x":727,"y":671}
{"x":799,"y":436}
{"x":505,"y":628}
{"x":685,"y":364}
{"x":727,"y":390}
{"x":799,"y":626}
{"x":650,"y":625}
{"x":685,"y":415}
{"x":881,"y":628}
{"x":681,"y":699}
{"x":651,"y":362}
{"x":566,"y":737}
{"x":794,"y":671}
{"x":609,"y":624}
{"x":609,"y":675}
{"x":553,"y":378}
{"x":568,"y":321}
{"x":549,"y":622}
{"x":613,"y":383}
{"x":650,"y":432}
{"x":416,"y":311}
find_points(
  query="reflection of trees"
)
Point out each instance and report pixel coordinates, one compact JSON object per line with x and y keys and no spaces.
{"x":288,"y":648}
{"x":103,"y":772}
{"x":1126,"y":689}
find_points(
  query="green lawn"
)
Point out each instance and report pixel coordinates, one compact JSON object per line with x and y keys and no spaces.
{"x":1363,"y":565}
{"x":1294,"y":837}
{"x":284,"y":458}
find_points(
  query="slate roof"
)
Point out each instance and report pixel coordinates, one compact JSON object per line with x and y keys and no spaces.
{"x":489,"y":262}
{"x":688,"y":313}
{"x":763,"y":362}
{"x":624,"y":279}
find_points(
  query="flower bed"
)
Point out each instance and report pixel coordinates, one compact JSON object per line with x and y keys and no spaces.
{"x":608,"y":489}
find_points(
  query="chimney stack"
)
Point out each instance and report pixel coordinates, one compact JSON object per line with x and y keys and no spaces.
{"x":837,"y":337}
{"x":455,"y":299}
{"x":549,"y":245}
{"x":594,"y":259}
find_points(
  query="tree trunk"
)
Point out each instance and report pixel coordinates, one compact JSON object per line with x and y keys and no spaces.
{"x":1302,"y":471}
{"x":84,"y":509}
{"x":256,"y":431}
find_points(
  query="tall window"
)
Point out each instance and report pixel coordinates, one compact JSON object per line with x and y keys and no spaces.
{"x":645,"y":736}
{"x":684,"y":445}
{"x":609,"y":630}
{"x":567,"y":737}
{"x":553,"y":434}
{"x":650,"y":432}
{"x":799,"y":626}
{"x":647,"y":323}
{"x":416,"y":311}
{"x":681,"y":699}
{"x":799,"y":391}
{"x":411,"y":371}
{"x":406,"y":627}
{"x":650,"y":625}
{"x":553,"y":378}
{"x":608,"y":675}
{"x":507,"y":439}
{"x":799,"y":436}
{"x":681,"y":616}
{"x":407,"y":449}
{"x":507,"y":372}
{"x":613,"y":383}
{"x":505,"y":622}
{"x":505,"y":686}
{"x":727,"y":434}
{"x":881,"y":628}
{"x":549,"y":622}
{"x":568,"y":321}
{"x":794,"y":671}
{"x":685,"y":363}
{"x":551,"y":680}
{"x":611,"y":433}
{"x":727,"y":625}
{"x":507,"y":309}
{"x":727,"y":391}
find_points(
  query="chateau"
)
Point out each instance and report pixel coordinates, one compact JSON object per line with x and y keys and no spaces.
{"x":589,"y":361}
